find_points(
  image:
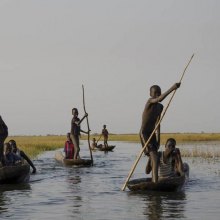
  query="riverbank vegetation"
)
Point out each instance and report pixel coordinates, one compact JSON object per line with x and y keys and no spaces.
{"x":34,"y":145}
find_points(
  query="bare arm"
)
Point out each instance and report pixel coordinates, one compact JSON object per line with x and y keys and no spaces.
{"x":85,"y":132}
{"x":179,"y":162}
{"x":28,"y":160}
{"x":158,"y":135}
{"x":165,"y":94}
{"x":82,"y":119}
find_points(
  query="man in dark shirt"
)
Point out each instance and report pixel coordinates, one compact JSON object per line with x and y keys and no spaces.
{"x":75,"y":131}
{"x":3,"y":136}
{"x":150,"y":117}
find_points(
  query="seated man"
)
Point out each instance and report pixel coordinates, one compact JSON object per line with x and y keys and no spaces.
{"x":94,"y":144}
{"x":69,"y":147}
{"x":170,"y":161}
{"x":10,"y":158}
{"x":21,"y":154}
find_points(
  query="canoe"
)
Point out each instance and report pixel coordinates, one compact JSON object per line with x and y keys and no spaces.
{"x":15,"y":174}
{"x":101,"y":147}
{"x":169,"y":184}
{"x":70,"y":162}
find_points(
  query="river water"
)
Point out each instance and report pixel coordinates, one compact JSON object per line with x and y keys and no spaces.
{"x":59,"y":192}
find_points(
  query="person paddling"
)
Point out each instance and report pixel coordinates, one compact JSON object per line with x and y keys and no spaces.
{"x":150,"y":117}
{"x":21,"y":154}
{"x":105,"y":135}
{"x":75,"y":131}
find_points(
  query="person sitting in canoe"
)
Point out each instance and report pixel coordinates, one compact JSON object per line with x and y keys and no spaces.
{"x":10,"y":157}
{"x":94,"y":144}
{"x":150,"y":117}
{"x":75,"y":131}
{"x":3,"y":136}
{"x":105,"y":135}
{"x":21,"y":154}
{"x":169,"y":161}
{"x":69,"y":147}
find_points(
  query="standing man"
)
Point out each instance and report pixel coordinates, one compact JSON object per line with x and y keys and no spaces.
{"x":3,"y":136}
{"x":150,"y":117}
{"x":105,"y":135}
{"x":75,"y":131}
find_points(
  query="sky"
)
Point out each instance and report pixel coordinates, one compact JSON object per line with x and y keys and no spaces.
{"x":117,"y":49}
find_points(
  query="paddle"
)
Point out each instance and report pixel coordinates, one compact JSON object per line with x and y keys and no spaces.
{"x":99,"y":139}
{"x":84,"y":107}
{"x":163,"y":114}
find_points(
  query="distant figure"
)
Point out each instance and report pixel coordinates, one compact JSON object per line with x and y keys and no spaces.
{"x":3,"y":136}
{"x":105,"y":135}
{"x":94,"y":144}
{"x":10,"y":157}
{"x":170,"y":162}
{"x":69,"y":147}
{"x":21,"y":154}
{"x":150,"y":117}
{"x":75,"y":131}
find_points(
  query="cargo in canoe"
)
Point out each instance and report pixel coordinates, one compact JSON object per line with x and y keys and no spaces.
{"x":101,"y":147}
{"x":15,"y":174}
{"x":70,"y":162}
{"x":168,"y":184}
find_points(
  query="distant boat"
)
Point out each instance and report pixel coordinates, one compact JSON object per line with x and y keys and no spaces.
{"x":168,"y":184}
{"x":102,"y":147}
{"x":15,"y":174}
{"x":70,"y":162}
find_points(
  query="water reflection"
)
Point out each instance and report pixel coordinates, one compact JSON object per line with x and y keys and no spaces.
{"x":160,"y":205}
{"x":7,"y":191}
{"x":73,"y":180}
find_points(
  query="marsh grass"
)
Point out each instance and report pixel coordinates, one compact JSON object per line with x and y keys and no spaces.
{"x":200,"y":152}
{"x":180,"y":137}
{"x":35,"y":145}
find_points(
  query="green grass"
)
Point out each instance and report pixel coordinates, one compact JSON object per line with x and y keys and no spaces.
{"x":35,"y":145}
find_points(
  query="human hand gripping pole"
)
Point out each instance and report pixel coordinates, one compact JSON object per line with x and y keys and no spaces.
{"x":84,"y":107}
{"x":158,"y":123}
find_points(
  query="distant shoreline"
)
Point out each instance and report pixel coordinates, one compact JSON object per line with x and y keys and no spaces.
{"x":35,"y":145}
{"x":180,"y":137}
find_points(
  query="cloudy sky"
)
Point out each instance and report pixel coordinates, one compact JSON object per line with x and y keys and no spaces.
{"x":117,"y":49}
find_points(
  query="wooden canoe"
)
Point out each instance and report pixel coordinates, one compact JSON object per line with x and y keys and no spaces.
{"x":15,"y":174}
{"x":101,"y":147}
{"x":169,"y":184}
{"x":70,"y":162}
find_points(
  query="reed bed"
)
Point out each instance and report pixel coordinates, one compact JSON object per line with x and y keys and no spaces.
{"x":201,"y":152}
{"x":180,"y":137}
{"x":35,"y":145}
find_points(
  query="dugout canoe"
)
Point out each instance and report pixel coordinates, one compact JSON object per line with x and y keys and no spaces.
{"x":101,"y":147}
{"x":15,"y":174}
{"x":170,"y":184}
{"x":70,"y":162}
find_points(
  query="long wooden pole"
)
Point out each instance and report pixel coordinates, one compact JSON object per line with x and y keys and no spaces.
{"x":84,"y":107}
{"x":163,"y":114}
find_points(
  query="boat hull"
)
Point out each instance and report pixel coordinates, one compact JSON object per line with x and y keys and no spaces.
{"x":70,"y":162}
{"x":108,"y":148}
{"x":168,"y":184}
{"x":15,"y":174}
